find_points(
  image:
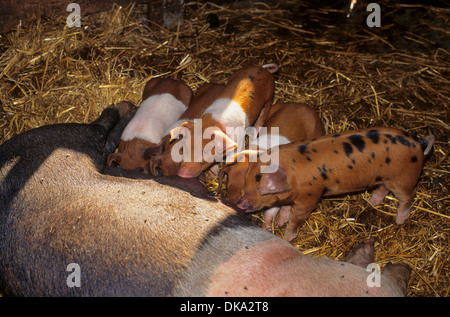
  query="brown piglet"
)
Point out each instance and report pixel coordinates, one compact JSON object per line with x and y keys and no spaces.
{"x":245,"y":101}
{"x":161,"y":161}
{"x":164,"y":100}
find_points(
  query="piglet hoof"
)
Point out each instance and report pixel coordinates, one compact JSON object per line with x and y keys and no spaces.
{"x":398,"y":273}
{"x":378,"y":195}
{"x":284,"y":215}
{"x":402,"y":216}
{"x":269,"y":216}
{"x":362,"y":255}
{"x":124,"y":107}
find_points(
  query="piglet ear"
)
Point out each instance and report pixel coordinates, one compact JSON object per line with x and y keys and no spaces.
{"x":244,"y":156}
{"x":175,"y":132}
{"x":274,"y":183}
{"x":115,"y":157}
{"x":154,"y":151}
{"x":225,"y":141}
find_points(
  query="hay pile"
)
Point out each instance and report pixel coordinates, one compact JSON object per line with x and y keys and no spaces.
{"x":354,"y":76}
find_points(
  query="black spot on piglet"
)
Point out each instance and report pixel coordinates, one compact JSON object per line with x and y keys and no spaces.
{"x":347,"y":148}
{"x":302,"y":148}
{"x":391,"y":138}
{"x":358,"y":141}
{"x":323,"y":172}
{"x":374,"y":135}
{"x":403,"y":141}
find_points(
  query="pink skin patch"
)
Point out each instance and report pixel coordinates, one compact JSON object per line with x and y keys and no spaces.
{"x":275,"y":268}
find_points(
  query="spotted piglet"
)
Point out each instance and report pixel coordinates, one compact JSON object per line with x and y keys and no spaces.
{"x":337,"y":164}
{"x":294,"y":122}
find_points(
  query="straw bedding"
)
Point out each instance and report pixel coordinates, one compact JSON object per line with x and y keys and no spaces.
{"x":354,"y":76}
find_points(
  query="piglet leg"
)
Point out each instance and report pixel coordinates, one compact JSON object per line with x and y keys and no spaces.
{"x":297,"y":217}
{"x":404,"y":190}
{"x":269,"y":215}
{"x":404,"y":207}
{"x":378,"y":195}
{"x":283,"y":217}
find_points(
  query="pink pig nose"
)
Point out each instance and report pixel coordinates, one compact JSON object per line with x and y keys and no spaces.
{"x":245,"y":205}
{"x":185,"y":172}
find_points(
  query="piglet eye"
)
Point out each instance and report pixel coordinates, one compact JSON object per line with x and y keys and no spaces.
{"x":258,"y":177}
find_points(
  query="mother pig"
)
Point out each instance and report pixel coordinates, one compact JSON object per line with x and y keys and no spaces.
{"x":68,"y":230}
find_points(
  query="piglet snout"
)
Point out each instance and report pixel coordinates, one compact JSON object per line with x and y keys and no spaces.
{"x":245,"y":205}
{"x":185,"y":173}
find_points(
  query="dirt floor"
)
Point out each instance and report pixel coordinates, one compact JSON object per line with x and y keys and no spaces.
{"x":354,"y":76}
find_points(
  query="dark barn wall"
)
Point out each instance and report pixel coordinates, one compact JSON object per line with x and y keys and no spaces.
{"x":13,"y":11}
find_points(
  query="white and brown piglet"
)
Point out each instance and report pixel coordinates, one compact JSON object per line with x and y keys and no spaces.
{"x":336,"y":164}
{"x":245,"y":101}
{"x":164,"y":100}
{"x":161,"y":161}
{"x":295,"y":122}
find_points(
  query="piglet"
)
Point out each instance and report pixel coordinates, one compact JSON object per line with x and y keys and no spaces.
{"x":337,"y":164}
{"x":244,"y":101}
{"x":161,"y":161}
{"x":294,"y":122}
{"x":164,"y":100}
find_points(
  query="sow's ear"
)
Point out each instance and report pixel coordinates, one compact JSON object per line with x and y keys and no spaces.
{"x":274,"y":183}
